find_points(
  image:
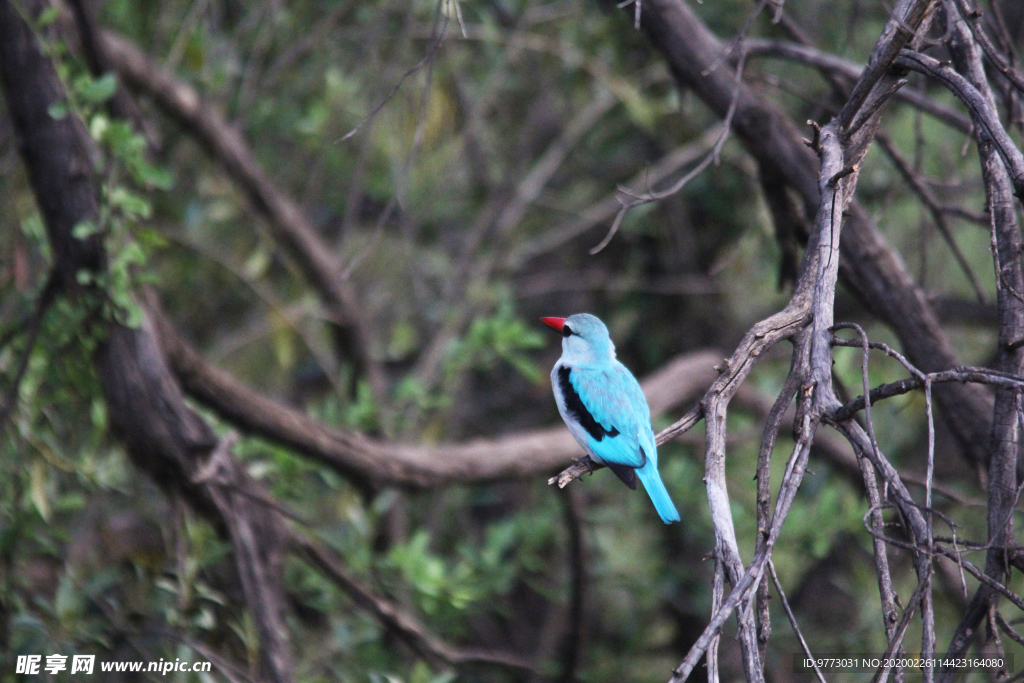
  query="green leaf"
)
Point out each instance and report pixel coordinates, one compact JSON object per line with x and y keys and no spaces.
{"x":38,"y":476}
{"x":84,"y":229}
{"x":130,"y":315}
{"x":257,"y":263}
{"x":98,"y":413}
{"x":154,"y":176}
{"x":47,"y":17}
{"x":132,"y":254}
{"x":282,"y":339}
{"x":98,"y":126}
{"x":58,"y":110}
{"x":362,"y":413}
{"x":151,"y":239}
{"x":119,"y":136}
{"x":33,"y":228}
{"x":132,"y":205}
{"x":97,"y":90}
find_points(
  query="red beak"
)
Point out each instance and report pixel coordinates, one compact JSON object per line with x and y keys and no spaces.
{"x":555,"y":323}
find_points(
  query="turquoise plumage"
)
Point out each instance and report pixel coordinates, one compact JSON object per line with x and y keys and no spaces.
{"x":613,"y":397}
{"x":605,"y":409}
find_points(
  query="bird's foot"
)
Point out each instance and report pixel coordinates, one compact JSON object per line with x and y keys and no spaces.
{"x":587,"y":462}
{"x":579,"y":467}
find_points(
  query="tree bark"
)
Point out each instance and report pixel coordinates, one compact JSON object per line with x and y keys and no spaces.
{"x":147,"y":410}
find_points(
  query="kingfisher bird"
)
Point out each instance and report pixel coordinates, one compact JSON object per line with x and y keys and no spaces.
{"x":605,"y":409}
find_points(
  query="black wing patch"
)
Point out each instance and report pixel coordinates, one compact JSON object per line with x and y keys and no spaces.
{"x":624,"y":472}
{"x":574,"y":404}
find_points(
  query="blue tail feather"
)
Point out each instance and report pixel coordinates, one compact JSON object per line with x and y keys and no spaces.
{"x":651,"y":480}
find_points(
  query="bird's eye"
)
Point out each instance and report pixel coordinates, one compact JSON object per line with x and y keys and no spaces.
{"x":566,"y":331}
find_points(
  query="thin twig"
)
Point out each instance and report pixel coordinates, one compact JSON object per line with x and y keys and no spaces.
{"x":985,"y":119}
{"x":792,"y":622}
{"x":962,"y":375}
{"x":441,"y":21}
{"x":1008,"y":629}
{"x":636,"y":199}
{"x":937,"y":211}
{"x":771,"y":431}
{"x":927,"y":606}
{"x":865,"y":345}
{"x":35,"y":323}
{"x":717,"y":594}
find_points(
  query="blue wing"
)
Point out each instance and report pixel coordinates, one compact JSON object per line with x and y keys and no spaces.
{"x":613,"y":398}
{"x":613,"y":411}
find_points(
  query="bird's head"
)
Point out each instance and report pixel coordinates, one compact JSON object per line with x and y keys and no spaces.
{"x":585,"y":339}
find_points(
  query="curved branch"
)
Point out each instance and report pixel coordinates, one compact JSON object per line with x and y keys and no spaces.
{"x":898,"y":32}
{"x":833,"y":65}
{"x":992,"y":53}
{"x":366,"y":460}
{"x":961,"y":375}
{"x":982,"y":112}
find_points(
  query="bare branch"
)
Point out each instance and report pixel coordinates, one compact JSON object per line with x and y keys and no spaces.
{"x":937,"y":211}
{"x":984,"y":116}
{"x":636,"y":200}
{"x":795,"y":468}
{"x":792,"y":621}
{"x":992,"y":53}
{"x":438,"y":34}
{"x":837,"y":66}
{"x":905,"y":19}
{"x":886,"y":590}
{"x":717,"y":594}
{"x":771,"y":432}
{"x":257,"y":539}
{"x":959,"y":375}
{"x":1001,"y":181}
{"x":607,"y":207}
